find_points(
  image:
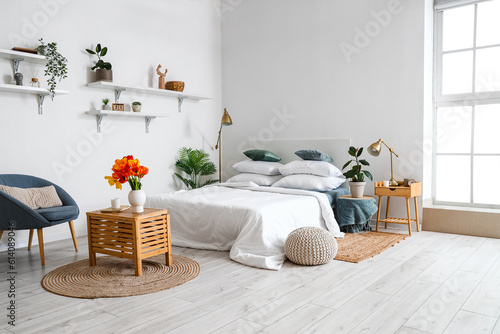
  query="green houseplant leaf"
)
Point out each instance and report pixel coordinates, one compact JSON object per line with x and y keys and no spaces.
{"x":356,"y":174}
{"x":100,"y":52}
{"x":56,"y":68}
{"x":193,"y":165}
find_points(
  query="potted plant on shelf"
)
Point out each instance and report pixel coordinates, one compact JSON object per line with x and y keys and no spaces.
{"x":105,"y":105}
{"x":56,"y":68}
{"x":195,"y":164}
{"x":136,"y":106}
{"x":356,"y":174}
{"x":103,"y":69}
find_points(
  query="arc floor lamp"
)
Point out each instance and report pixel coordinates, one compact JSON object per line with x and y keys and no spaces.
{"x":225,"y":121}
{"x":375,"y":148}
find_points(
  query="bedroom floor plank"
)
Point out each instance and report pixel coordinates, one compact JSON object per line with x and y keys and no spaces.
{"x":299,"y":320}
{"x":471,"y":323}
{"x":350,"y":314}
{"x":398,"y":309}
{"x":439,"y":310}
{"x":239,"y":326}
{"x":396,"y":287}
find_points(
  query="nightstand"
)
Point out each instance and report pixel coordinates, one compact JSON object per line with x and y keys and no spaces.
{"x":413,"y":191}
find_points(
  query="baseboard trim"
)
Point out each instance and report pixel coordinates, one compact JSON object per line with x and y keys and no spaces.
{"x":462,"y":221}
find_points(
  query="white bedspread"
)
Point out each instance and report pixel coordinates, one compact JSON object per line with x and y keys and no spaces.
{"x":251,"y":222}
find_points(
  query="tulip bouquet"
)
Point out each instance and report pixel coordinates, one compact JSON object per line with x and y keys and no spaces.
{"x":127,"y":169}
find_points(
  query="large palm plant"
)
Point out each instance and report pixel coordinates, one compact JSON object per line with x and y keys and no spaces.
{"x":195,"y":164}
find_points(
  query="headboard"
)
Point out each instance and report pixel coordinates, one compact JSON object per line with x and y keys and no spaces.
{"x":285,"y":149}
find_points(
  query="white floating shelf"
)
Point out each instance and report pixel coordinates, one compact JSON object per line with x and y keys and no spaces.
{"x":163,"y":92}
{"x":16,"y":57}
{"x":41,"y":92}
{"x":29,"y":57}
{"x":102,"y":113}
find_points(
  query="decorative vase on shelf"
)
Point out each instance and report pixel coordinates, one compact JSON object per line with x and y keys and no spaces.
{"x":137,"y":198}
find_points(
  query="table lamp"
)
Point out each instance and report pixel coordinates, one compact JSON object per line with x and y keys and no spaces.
{"x":375,"y":148}
{"x":225,"y":121}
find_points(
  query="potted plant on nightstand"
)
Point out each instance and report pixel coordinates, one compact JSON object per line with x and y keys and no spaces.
{"x":103,"y":69}
{"x":356,"y":174}
{"x":136,"y":106}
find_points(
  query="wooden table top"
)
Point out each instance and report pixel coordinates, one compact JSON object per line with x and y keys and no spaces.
{"x":148,"y":212}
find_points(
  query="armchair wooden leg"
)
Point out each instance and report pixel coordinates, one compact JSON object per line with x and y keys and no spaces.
{"x":1,"y":232}
{"x":40,"y":245}
{"x":31,"y":239}
{"x":72,"y":229}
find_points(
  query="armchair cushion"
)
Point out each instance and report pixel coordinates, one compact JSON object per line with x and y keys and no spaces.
{"x":59,"y":213}
{"x":35,"y":198}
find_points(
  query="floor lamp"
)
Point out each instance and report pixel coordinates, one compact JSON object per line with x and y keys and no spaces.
{"x":375,"y":148}
{"x":225,"y":121}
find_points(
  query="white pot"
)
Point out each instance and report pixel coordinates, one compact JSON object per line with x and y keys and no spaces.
{"x":137,"y":198}
{"x":357,"y":189}
{"x":136,"y":108}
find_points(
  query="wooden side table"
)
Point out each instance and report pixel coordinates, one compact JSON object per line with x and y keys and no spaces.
{"x":413,"y":191}
{"x":130,"y":235}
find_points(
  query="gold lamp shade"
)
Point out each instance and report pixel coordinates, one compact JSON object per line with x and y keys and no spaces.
{"x":375,"y":148}
{"x":226,"y":119}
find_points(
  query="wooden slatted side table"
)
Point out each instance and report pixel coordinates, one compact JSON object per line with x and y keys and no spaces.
{"x":413,"y":191}
{"x":134,"y":236}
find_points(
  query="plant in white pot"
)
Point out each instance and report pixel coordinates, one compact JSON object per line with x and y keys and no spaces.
{"x":103,"y":69}
{"x":356,"y":174}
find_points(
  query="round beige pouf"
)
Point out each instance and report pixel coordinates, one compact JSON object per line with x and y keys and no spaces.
{"x":310,"y":246}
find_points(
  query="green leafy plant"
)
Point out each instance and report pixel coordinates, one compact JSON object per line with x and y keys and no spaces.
{"x":105,"y":101}
{"x":195,"y":164}
{"x":100,"y":52}
{"x":57,"y":65}
{"x":136,"y":103}
{"x":355,"y":173}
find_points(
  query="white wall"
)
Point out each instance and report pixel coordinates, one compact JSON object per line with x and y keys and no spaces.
{"x":182,"y":36}
{"x":286,"y":56}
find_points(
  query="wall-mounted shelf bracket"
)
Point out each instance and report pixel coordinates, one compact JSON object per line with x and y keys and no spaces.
{"x":16,"y":62}
{"x":41,"y":98}
{"x":99,"y":121}
{"x":148,"y":121}
{"x":118,"y":92}
{"x":180,"y":100}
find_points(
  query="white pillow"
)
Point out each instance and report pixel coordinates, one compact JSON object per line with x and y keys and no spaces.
{"x":258,"y":167}
{"x":310,"y":182}
{"x":261,"y":180}
{"x":320,"y":168}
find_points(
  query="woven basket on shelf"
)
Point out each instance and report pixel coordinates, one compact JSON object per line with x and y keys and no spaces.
{"x":178,"y":86}
{"x":310,"y":246}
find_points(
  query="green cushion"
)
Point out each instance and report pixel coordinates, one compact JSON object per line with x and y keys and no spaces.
{"x":262,"y":155}
{"x":313,"y":155}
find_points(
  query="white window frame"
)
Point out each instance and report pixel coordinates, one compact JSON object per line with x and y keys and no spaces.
{"x":457,"y":100}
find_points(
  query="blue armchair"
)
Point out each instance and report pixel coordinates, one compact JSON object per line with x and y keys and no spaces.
{"x":25,"y":218}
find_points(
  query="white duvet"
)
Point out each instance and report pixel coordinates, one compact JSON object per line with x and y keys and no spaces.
{"x":251,"y":222}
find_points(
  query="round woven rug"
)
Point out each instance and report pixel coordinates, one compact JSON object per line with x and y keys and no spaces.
{"x":115,"y":277}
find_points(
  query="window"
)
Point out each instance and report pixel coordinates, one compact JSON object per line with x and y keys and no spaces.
{"x":466,"y":149}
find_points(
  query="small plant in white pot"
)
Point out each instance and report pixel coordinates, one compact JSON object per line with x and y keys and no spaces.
{"x":105,"y":105}
{"x":356,"y":174}
{"x":136,"y":106}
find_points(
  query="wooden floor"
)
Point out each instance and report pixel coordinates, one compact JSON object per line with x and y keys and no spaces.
{"x":429,"y":283}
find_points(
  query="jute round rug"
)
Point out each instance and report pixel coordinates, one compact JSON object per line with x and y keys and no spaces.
{"x":356,"y":247}
{"x":115,"y":277}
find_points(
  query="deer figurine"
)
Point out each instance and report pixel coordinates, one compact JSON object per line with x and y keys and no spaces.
{"x":161,"y":79}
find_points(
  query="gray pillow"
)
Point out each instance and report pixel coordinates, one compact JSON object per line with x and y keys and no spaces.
{"x":262,"y":155}
{"x":313,"y":155}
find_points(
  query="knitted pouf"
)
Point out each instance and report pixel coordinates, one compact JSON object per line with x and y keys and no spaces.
{"x":310,"y":246}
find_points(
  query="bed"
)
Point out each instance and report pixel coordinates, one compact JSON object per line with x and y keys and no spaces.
{"x":251,"y":221}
